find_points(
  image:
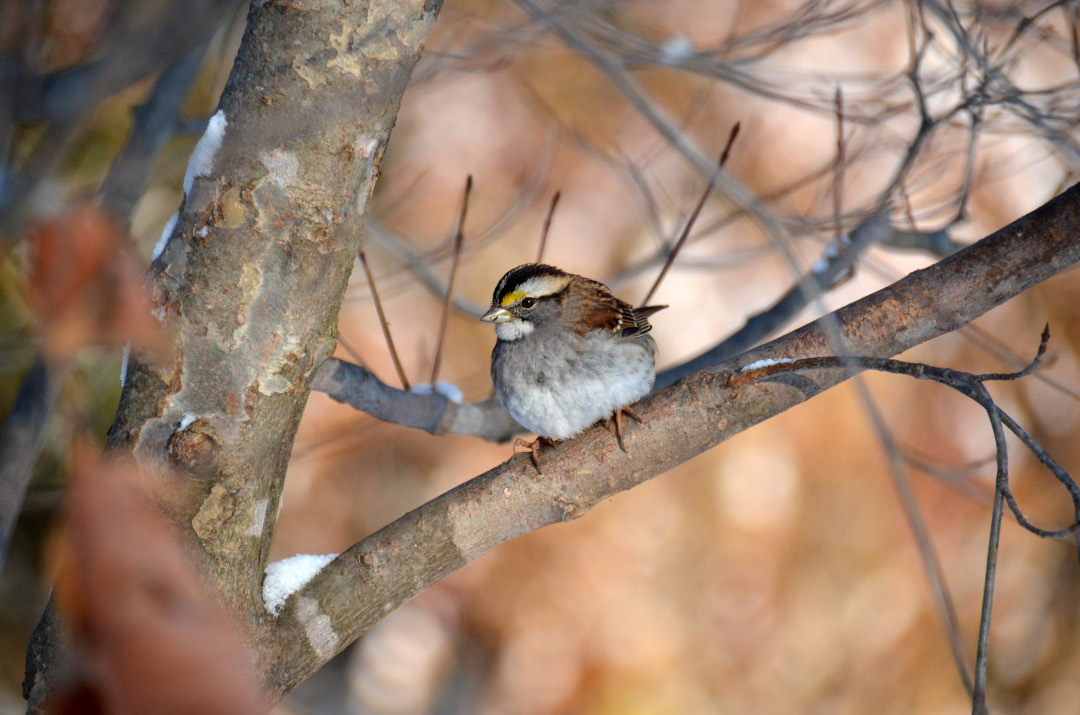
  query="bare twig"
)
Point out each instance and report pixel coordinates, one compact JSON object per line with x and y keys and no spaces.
{"x":693,"y":215}
{"x":841,"y":165}
{"x":383,"y":322}
{"x":547,"y":227}
{"x":834,"y":265}
{"x":978,"y":696}
{"x":420,"y":263}
{"x":1056,"y":469}
{"x":967,"y":384}
{"x":935,"y":574}
{"x":459,"y":240}
{"x":735,"y":190}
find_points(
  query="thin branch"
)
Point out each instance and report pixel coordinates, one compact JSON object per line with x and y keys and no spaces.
{"x":459,"y":240}
{"x":970,"y":155}
{"x":935,"y":574}
{"x":972,"y":386}
{"x":978,"y":697}
{"x":1050,"y":463}
{"x":1044,"y":340}
{"x":967,"y":384}
{"x":693,"y":215}
{"x":735,"y":190}
{"x":547,"y":227}
{"x":841,"y":164}
{"x":420,"y":263}
{"x":836,"y":264}
{"x":383,"y":322}
{"x":1040,"y":223}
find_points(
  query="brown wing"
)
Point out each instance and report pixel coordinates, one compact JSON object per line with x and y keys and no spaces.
{"x":617,"y":316}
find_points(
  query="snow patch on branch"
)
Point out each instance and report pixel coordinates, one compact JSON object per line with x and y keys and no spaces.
{"x":448,"y":390}
{"x":764,"y":363}
{"x":201,"y":162}
{"x":124,"y":359}
{"x":676,"y":50}
{"x":286,"y":577}
{"x":166,"y":234}
{"x":831,"y":253}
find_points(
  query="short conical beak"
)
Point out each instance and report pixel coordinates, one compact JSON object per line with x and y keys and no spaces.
{"x":497,"y":314}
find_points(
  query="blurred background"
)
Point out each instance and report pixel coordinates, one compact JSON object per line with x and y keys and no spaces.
{"x":778,"y":572}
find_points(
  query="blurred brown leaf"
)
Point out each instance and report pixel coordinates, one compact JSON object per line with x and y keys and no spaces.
{"x":87,"y":285}
{"x":144,"y":635}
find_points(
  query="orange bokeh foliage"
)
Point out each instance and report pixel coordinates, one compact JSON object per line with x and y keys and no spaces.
{"x":86,"y":284}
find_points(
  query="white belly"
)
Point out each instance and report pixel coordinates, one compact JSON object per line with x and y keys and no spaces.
{"x":558,"y":399}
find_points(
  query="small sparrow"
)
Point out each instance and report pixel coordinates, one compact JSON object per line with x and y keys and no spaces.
{"x":568,"y":353}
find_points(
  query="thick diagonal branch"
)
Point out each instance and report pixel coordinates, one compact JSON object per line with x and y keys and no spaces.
{"x":695,"y":414}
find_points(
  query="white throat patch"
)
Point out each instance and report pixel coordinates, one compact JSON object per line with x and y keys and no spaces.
{"x":513,"y":329}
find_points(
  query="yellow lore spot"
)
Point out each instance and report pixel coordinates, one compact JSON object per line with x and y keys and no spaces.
{"x":511,"y":297}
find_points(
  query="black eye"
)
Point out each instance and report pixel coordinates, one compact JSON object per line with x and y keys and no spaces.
{"x":527,"y":303}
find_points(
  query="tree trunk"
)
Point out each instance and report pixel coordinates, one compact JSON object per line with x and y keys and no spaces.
{"x":252,"y":281}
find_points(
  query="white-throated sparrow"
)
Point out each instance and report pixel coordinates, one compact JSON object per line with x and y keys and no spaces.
{"x":568,"y":352}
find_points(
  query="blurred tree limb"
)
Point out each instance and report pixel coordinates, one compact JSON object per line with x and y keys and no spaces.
{"x":23,"y":429}
{"x":145,"y":38}
{"x":21,"y":436}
